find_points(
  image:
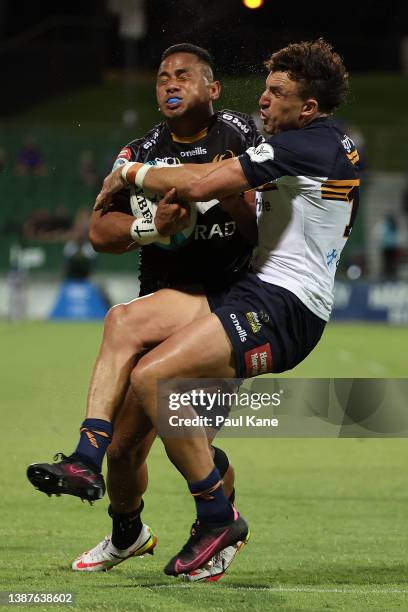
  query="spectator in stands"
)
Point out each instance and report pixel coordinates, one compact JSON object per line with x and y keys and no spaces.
{"x":37,"y":224}
{"x":86,"y":169}
{"x":41,"y":225}
{"x":78,"y":252}
{"x":30,"y":159}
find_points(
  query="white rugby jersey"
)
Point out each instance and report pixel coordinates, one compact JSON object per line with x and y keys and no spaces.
{"x":306,"y":206}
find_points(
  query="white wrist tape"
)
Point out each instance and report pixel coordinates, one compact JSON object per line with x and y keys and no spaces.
{"x":124,"y":170}
{"x":144,"y":231}
{"x":140,"y":175}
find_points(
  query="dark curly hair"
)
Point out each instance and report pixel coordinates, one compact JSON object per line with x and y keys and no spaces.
{"x":318,"y":69}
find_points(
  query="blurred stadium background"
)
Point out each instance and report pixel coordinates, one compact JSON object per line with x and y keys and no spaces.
{"x":80,"y":84}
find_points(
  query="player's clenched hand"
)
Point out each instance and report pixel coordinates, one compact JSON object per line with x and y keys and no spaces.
{"x":171,"y":217}
{"x":113,"y":182}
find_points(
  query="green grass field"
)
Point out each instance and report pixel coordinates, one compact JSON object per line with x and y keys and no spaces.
{"x":328,"y":516}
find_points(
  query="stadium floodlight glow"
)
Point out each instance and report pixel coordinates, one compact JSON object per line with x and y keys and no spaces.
{"x":253,"y":4}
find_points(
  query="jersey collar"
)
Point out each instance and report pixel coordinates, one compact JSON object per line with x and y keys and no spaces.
{"x":187,"y":139}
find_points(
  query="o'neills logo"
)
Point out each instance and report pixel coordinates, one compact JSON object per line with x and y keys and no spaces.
{"x":241,"y":331}
{"x":258,"y":360}
{"x":196,"y":151}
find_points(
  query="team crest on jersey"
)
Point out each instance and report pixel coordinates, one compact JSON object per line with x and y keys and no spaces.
{"x":261,"y":153}
{"x":253,"y":321}
{"x":227,"y":155}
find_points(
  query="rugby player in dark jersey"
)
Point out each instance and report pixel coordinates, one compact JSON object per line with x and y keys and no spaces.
{"x":215,"y":257}
{"x":307,"y":179}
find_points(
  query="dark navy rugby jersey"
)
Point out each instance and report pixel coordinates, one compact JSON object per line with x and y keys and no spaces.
{"x":318,"y":149}
{"x":217,"y":252}
{"x":307,"y":198}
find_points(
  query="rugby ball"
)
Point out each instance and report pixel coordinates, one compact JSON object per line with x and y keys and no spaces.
{"x":144,"y":204}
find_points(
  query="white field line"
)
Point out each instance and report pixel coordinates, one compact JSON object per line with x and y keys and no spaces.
{"x":299,"y":589}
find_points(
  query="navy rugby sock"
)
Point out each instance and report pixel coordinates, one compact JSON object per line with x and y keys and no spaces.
{"x":96,"y":435}
{"x":221,"y":462}
{"x":211,"y":503}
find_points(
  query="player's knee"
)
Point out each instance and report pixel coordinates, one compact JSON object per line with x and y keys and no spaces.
{"x":117,"y":317}
{"x":119,"y":452}
{"x":126,"y":451}
{"x":121,"y":326}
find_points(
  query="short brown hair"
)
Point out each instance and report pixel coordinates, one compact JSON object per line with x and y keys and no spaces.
{"x":318,"y":69}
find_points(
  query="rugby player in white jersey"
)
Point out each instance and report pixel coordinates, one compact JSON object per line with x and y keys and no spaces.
{"x":308,"y":188}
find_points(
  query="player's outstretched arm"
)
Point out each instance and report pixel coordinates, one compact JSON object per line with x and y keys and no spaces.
{"x":198,"y":182}
{"x":194,"y":182}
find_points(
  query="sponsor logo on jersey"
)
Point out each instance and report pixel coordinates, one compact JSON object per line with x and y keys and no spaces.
{"x":227,"y":155}
{"x":261,"y":153}
{"x":153,"y":139}
{"x":242,"y":126}
{"x":347,"y":143}
{"x":350,"y":148}
{"x":258,"y":360}
{"x":204,"y":232}
{"x":169,"y":161}
{"x":331,"y":257}
{"x":253,"y":321}
{"x":241,"y":331}
{"x":262,"y":205}
{"x":193,"y":152}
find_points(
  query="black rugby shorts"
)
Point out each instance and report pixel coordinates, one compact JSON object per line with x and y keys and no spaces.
{"x":270,"y":329}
